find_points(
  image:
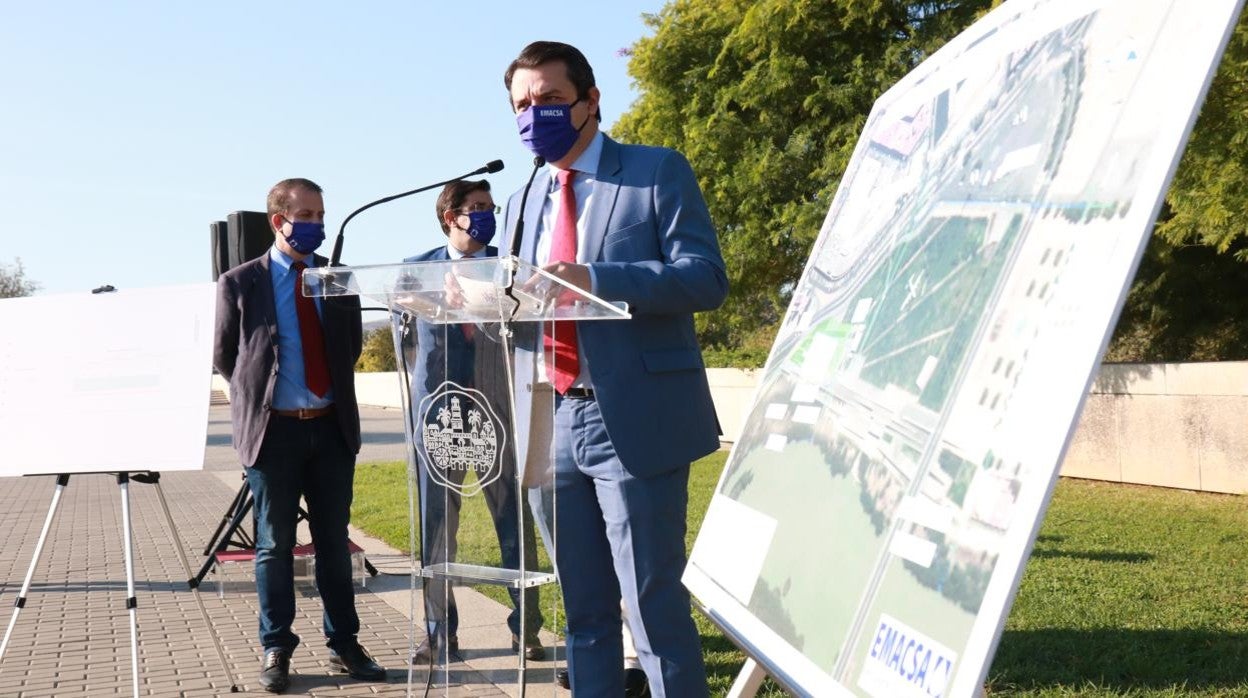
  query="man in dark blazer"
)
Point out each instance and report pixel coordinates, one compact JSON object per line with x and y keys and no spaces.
{"x":632,"y":406}
{"x":290,"y":362}
{"x":466,"y":212}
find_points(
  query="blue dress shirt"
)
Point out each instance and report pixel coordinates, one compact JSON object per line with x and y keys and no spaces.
{"x":291,"y":391}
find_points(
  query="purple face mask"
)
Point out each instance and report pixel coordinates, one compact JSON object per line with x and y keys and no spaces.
{"x":547,"y":130}
{"x":305,"y":237}
{"x":482,"y":226}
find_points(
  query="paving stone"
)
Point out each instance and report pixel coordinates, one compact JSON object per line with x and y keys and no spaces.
{"x":73,"y":635}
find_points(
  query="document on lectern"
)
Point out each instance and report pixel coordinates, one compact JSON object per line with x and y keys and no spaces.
{"x":106,"y":382}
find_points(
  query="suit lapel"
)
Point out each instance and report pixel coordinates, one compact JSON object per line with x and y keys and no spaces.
{"x":262,"y":279}
{"x":533,"y":216}
{"x":606,"y":188}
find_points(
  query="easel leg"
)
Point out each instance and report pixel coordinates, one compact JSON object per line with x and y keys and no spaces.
{"x":748,"y":681}
{"x":193,"y":583}
{"x":61,"y":482}
{"x":123,"y":482}
{"x":216,"y":542}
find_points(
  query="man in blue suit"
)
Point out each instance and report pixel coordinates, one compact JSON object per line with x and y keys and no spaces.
{"x":632,"y":407}
{"x":462,"y":355}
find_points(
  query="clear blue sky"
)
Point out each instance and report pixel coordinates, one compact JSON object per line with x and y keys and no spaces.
{"x":126,"y":128}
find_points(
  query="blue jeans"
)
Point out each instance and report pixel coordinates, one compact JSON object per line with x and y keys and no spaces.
{"x":308,"y":458}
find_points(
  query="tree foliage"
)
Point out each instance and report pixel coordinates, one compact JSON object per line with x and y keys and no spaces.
{"x":13,"y":281}
{"x":767,"y":99}
{"x":378,"y":353}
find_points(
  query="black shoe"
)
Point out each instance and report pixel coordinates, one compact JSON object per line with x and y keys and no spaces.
{"x":354,"y":660}
{"x":635,"y":684}
{"x":562,"y":678}
{"x":275,"y":671}
{"x":533,"y":649}
{"x":428,"y":650}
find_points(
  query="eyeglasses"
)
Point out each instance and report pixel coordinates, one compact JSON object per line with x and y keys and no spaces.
{"x":481,"y":208}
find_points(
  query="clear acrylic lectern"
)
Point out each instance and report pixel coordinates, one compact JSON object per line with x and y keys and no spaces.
{"x":469,"y":335}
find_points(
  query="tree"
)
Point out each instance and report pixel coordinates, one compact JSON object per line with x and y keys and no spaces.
{"x":378,"y":353}
{"x":13,"y":281}
{"x":1186,"y":304}
{"x":767,"y":100}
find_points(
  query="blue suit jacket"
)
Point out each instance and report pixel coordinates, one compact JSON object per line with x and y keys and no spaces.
{"x":660,"y":255}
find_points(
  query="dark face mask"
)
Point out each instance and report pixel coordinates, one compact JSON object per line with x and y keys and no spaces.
{"x":305,"y":237}
{"x":482,"y":226}
{"x":547,"y":130}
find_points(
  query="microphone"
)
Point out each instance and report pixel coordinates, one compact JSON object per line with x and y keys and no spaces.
{"x":514,"y":248}
{"x":489,"y":168}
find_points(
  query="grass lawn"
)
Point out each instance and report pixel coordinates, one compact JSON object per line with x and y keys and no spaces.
{"x":1131,"y":591}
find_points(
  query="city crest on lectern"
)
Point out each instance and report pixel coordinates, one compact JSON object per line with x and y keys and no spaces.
{"x":461,"y":435}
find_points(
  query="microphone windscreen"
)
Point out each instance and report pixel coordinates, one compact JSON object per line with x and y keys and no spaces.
{"x":493,"y":166}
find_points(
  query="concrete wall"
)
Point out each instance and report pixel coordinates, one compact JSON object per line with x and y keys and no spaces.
{"x":1170,"y":425}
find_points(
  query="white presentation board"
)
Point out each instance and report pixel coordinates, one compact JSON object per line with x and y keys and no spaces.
{"x":106,"y":382}
{"x":873,"y":520}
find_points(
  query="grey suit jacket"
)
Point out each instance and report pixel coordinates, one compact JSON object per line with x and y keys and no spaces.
{"x":245,"y":352}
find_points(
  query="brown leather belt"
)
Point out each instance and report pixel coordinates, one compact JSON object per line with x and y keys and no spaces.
{"x":305,"y":413}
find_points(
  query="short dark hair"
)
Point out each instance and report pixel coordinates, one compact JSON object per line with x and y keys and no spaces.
{"x":279,"y":195}
{"x":453,"y":196}
{"x":541,"y":52}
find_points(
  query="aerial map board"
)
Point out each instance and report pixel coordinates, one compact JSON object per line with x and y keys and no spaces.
{"x":873,"y":520}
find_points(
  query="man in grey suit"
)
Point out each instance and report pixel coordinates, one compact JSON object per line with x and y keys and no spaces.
{"x":632,"y":407}
{"x":290,"y":362}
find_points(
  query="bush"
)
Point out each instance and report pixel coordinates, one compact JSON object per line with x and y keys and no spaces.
{"x":378,"y":354}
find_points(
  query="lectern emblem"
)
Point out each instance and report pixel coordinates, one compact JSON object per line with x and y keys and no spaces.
{"x":461,"y":434}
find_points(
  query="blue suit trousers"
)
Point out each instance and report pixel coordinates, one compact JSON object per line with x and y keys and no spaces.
{"x":619,"y":536}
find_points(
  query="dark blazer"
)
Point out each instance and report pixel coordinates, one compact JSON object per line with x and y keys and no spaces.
{"x":245,"y":352}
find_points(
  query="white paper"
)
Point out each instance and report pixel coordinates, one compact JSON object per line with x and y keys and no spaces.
{"x":110,"y":382}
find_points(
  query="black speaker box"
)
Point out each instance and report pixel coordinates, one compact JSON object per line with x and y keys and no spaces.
{"x":220,"y":248}
{"x":249,"y":236}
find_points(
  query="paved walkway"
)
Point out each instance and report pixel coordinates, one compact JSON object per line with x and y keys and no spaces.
{"x":73,"y":639}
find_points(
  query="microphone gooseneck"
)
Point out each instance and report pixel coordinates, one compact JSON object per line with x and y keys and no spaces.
{"x":514,"y":248}
{"x":489,"y":168}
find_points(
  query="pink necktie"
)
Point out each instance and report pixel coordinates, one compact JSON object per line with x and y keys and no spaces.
{"x":562,"y":365}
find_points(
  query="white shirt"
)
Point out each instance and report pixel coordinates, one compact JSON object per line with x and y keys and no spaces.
{"x":454,"y":253}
